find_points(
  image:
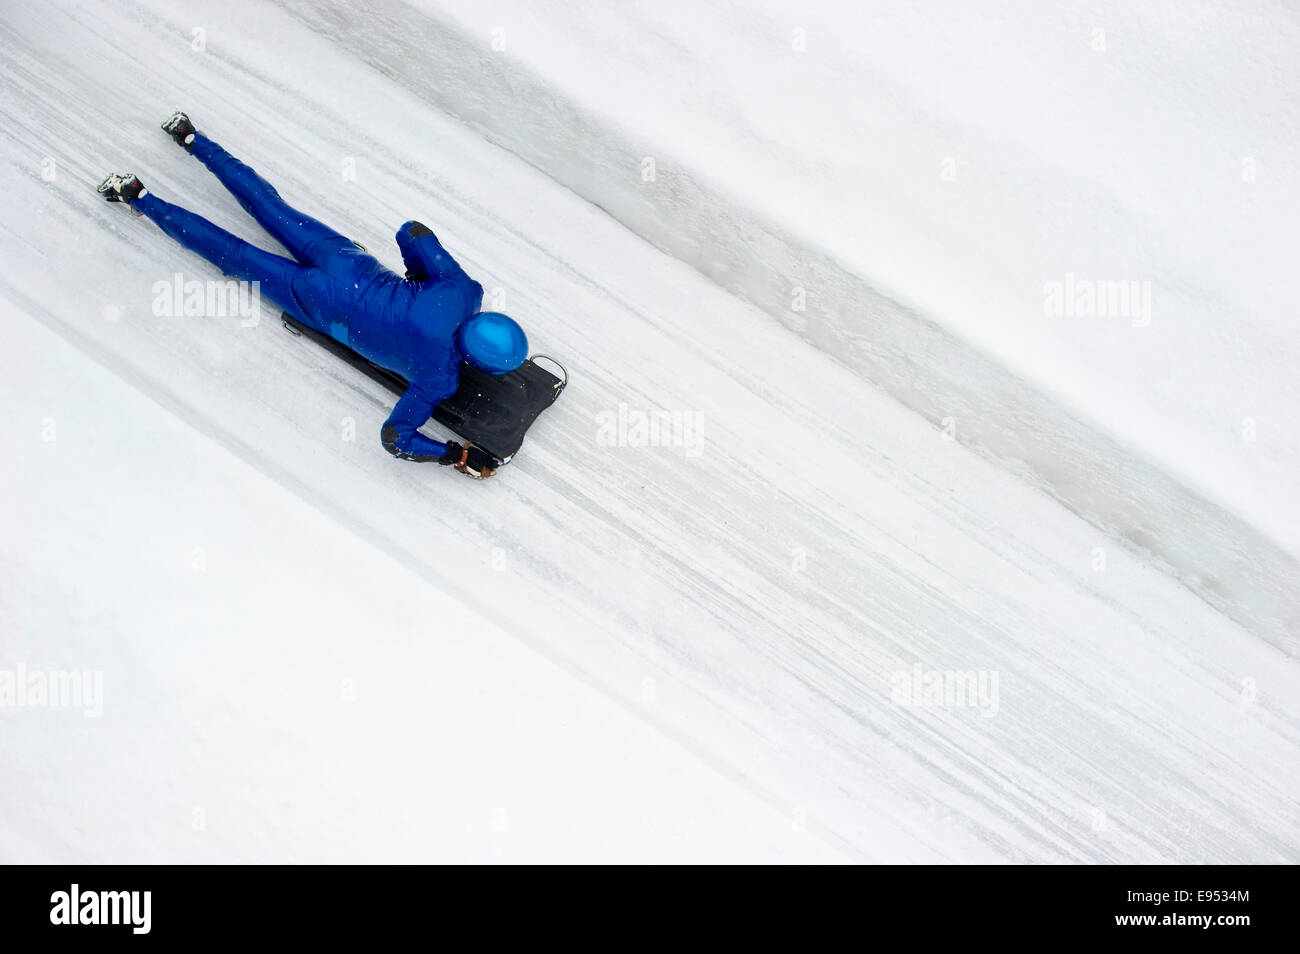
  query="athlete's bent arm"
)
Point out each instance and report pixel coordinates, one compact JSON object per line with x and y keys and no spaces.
{"x":401,"y":432}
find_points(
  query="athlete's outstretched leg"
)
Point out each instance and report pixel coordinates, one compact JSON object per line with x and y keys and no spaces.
{"x":230,"y":253}
{"x":307,"y":239}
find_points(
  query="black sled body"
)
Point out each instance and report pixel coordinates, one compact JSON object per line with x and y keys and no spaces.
{"x":491,"y":411}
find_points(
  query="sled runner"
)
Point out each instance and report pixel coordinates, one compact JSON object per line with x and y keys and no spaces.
{"x":491,"y":411}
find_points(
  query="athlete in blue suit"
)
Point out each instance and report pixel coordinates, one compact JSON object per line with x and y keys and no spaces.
{"x":422,"y":326}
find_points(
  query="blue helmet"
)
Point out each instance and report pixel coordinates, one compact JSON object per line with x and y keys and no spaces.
{"x":493,"y":342}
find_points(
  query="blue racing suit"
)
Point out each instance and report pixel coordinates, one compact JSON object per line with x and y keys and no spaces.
{"x":407,"y":325}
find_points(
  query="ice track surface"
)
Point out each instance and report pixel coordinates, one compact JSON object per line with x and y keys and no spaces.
{"x":753,"y":603}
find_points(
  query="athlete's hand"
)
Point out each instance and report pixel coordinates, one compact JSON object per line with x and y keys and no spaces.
{"x":478,"y":463}
{"x":454,"y":454}
{"x":470,"y":460}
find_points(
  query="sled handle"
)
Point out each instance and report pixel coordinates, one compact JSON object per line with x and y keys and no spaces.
{"x":564,"y":380}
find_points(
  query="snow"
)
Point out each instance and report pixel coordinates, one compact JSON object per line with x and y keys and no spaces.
{"x":1156,"y":149}
{"x":920,"y":187}
{"x":632,"y":652}
{"x":274,"y":691}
